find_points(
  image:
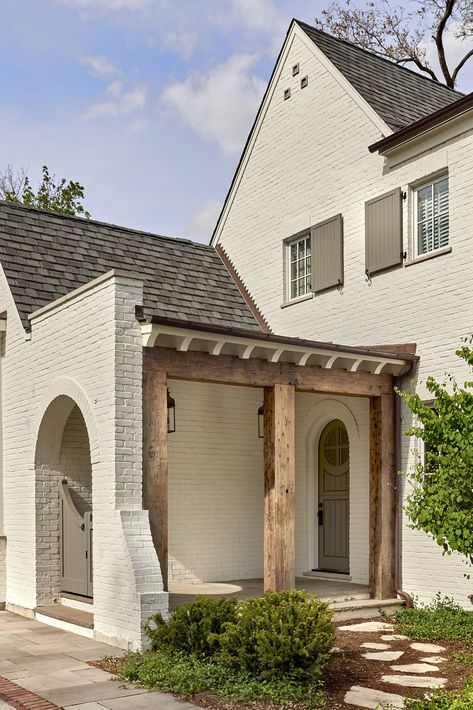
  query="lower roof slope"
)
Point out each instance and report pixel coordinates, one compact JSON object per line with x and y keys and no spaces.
{"x":46,"y":255}
{"x":397,"y":94}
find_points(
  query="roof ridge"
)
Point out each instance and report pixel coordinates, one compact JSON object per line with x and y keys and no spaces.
{"x":436,"y":82}
{"x":111,"y":225}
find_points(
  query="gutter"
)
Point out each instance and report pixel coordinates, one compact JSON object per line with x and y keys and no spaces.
{"x":433,"y":120}
{"x":397,"y":535}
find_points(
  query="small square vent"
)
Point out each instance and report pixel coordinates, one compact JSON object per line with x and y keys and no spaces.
{"x":304,"y":82}
{"x":287,"y":94}
{"x":295,"y":69}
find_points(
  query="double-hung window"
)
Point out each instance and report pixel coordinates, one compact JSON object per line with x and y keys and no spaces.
{"x":299,"y":266}
{"x":431,"y":216}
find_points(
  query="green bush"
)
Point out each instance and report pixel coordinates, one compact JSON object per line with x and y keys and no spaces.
{"x":283,"y":635}
{"x":443,"y":620}
{"x":193,"y":628}
{"x":188,"y":675}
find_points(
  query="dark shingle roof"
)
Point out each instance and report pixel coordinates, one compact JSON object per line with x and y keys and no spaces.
{"x":399,"y":95}
{"x":46,"y":255}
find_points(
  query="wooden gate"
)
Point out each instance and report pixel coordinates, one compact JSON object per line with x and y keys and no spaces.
{"x":76,"y":546}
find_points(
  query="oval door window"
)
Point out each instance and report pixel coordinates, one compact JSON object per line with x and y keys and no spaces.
{"x":334,"y":498}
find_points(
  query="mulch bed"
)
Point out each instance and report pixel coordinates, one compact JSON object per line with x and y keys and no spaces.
{"x":350,"y":668}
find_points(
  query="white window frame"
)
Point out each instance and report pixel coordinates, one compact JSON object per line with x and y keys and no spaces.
{"x":415,"y":235}
{"x":303,"y":236}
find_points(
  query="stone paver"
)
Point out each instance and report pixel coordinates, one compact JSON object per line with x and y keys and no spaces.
{"x":368,"y":626}
{"x":378,"y":646}
{"x":383,"y":655}
{"x":416,"y":668}
{"x":371,"y":698}
{"x":415,"y":681}
{"x":434,"y":659}
{"x":52,"y":663}
{"x":394,"y":637}
{"x":427,"y":647}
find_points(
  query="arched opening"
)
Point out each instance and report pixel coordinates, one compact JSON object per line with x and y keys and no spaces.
{"x":63,"y":503}
{"x":333,"y":512}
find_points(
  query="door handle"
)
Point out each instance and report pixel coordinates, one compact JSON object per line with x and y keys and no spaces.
{"x":320,"y":515}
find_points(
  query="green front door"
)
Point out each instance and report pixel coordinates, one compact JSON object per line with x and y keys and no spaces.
{"x":334,"y":498}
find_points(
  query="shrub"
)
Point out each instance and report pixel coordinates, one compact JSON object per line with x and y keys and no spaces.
{"x":283,"y":635}
{"x":442,"y":620}
{"x":193,"y":628}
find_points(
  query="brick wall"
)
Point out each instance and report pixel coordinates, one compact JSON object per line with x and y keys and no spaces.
{"x":310,"y":161}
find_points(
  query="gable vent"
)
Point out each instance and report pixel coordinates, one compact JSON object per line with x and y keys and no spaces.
{"x":295,"y":69}
{"x":304,"y":82}
{"x":287,"y":94}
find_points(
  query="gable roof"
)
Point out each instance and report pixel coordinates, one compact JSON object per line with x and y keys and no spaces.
{"x":397,"y":94}
{"x":46,"y":255}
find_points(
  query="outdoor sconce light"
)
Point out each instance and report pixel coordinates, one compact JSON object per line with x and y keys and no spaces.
{"x":171,"y":414}
{"x":261,"y":422}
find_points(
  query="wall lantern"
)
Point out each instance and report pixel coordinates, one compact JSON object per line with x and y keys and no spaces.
{"x":171,"y":414}
{"x":261,"y":422}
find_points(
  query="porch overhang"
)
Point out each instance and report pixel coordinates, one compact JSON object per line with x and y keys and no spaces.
{"x":249,"y":345}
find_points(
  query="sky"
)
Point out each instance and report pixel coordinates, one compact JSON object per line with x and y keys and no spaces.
{"x":147,"y":103}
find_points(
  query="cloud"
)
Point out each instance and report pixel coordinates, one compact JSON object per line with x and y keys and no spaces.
{"x":107,"y":5}
{"x":203,"y":222}
{"x":221,"y":104}
{"x":100,"y":66}
{"x":261,"y":15}
{"x":119,"y":101}
{"x":182,"y":42}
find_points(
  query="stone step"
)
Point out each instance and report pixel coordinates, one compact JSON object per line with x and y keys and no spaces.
{"x":365,"y":609}
{"x":342,"y":597}
{"x":77,"y":601}
{"x":66,"y":618}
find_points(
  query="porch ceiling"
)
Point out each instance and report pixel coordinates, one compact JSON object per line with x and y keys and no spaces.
{"x":190,"y":337}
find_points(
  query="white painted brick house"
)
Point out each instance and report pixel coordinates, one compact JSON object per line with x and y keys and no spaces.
{"x":283,"y":457}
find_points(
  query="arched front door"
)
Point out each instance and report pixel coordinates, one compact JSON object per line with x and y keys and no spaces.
{"x":334,"y":498}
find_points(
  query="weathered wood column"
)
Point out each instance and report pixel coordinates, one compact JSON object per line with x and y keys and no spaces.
{"x":279,"y":487}
{"x":382,"y":497}
{"x":155,"y":462}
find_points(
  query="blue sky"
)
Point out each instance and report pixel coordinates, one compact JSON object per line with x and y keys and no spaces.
{"x":146,"y":102}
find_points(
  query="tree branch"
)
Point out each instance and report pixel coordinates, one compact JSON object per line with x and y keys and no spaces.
{"x":438,"y":38}
{"x":460,"y":65}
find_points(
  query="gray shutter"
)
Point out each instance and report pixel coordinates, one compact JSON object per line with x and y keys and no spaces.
{"x":327,"y":254}
{"x":383,"y":231}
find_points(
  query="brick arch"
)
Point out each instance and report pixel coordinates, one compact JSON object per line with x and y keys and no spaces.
{"x":63,"y":398}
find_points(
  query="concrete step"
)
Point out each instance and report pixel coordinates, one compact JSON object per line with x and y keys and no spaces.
{"x":77,"y":601}
{"x":63,"y":617}
{"x":338,"y":597}
{"x":331,"y":576}
{"x":365,"y":609}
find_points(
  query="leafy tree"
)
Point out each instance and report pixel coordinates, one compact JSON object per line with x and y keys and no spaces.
{"x":401,"y":32}
{"x":60,"y":196}
{"x":441,"y":502}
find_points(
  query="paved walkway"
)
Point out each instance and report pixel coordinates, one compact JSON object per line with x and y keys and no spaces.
{"x":53,"y":664}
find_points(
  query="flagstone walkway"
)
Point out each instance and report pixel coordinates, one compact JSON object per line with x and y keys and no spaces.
{"x":52,"y":664}
{"x":420,"y":674}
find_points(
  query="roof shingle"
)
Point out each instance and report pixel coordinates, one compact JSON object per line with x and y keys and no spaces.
{"x":397,"y":94}
{"x":46,"y":255}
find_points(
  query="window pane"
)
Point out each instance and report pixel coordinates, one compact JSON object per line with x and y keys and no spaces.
{"x":307,"y":246}
{"x":441,"y":231}
{"x":307,"y":284}
{"x":294,"y":251}
{"x":301,"y":248}
{"x":441,"y":197}
{"x":301,"y":287}
{"x":424,"y":235}
{"x":424,"y":203}
{"x":294,"y":289}
{"x":301,"y":268}
{"x":308,"y":263}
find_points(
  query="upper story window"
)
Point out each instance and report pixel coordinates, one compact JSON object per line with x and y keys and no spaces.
{"x":300,"y":266}
{"x":431,"y":216}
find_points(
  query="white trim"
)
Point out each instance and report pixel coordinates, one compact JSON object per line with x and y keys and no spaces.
{"x":113,"y":273}
{"x":420,"y":185}
{"x":294,"y":31}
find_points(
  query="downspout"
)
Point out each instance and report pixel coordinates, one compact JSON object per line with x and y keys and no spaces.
{"x":398,"y":549}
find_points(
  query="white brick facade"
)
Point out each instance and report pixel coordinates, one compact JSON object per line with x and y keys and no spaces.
{"x":309,"y":161}
{"x":84,"y":353}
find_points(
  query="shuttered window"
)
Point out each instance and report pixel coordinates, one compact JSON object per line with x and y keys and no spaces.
{"x":383,"y":231}
{"x":300,"y":266}
{"x":431,"y":214}
{"x":327,"y":254}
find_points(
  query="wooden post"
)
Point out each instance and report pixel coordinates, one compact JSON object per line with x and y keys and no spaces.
{"x":155,"y":462}
{"x":279,"y":487}
{"x":382,"y":497}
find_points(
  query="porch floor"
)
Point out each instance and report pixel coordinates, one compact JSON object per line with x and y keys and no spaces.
{"x":328,"y":590}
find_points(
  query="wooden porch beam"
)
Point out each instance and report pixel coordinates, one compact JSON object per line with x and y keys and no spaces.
{"x":382,"y":497}
{"x":155,"y":462}
{"x":232,"y":370}
{"x":279,"y":487}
